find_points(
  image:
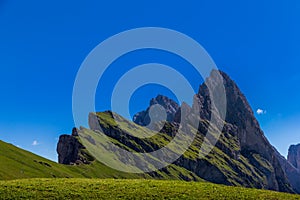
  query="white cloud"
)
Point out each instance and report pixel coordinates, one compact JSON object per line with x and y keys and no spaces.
{"x":35,"y":143}
{"x":261,"y":111}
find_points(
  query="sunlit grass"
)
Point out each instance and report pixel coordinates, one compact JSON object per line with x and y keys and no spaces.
{"x":128,"y":189}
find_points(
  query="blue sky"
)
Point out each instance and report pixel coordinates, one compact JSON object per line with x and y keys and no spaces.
{"x":43,"y":43}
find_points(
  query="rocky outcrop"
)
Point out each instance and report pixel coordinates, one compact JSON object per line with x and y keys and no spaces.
{"x":71,"y":151}
{"x":292,"y":173}
{"x":170,"y":107}
{"x":294,"y":155}
{"x":291,"y":166}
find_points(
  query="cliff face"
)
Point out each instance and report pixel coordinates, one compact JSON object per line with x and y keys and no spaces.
{"x":291,"y":166}
{"x":242,"y":156}
{"x":71,"y":151}
{"x":251,"y":138}
{"x":294,"y":155}
{"x":292,"y":173}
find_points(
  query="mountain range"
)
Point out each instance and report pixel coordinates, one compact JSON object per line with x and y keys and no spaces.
{"x":242,"y":155}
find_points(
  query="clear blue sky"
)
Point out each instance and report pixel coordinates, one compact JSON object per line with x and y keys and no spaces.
{"x":43,"y":43}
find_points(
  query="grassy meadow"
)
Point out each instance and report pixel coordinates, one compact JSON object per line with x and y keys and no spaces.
{"x":59,"y":188}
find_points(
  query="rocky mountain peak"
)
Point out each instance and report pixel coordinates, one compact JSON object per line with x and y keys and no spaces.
{"x":294,"y":155}
{"x":238,"y":112}
{"x":242,"y":156}
{"x":170,"y":106}
{"x":247,"y":130}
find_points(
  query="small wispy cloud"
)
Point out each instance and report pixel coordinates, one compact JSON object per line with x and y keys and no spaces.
{"x":261,"y":111}
{"x":35,"y":143}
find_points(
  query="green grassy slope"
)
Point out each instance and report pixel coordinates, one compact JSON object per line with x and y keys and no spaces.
{"x":16,"y":163}
{"x":128,"y":189}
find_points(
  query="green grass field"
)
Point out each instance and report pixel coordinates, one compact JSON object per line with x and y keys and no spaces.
{"x":128,"y":189}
